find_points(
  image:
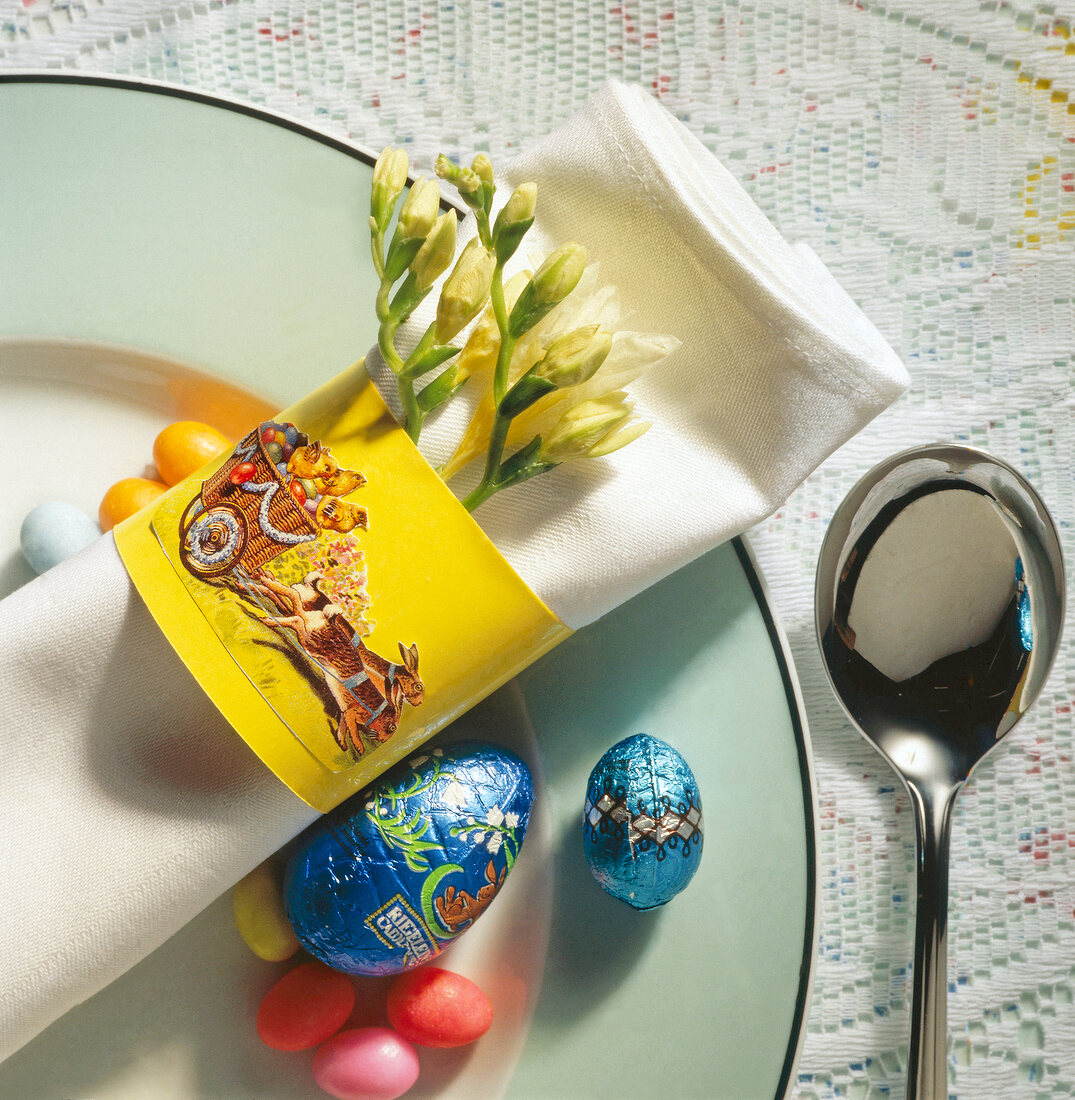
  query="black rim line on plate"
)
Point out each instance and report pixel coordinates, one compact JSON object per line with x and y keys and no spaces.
{"x":250,"y":110}
{"x":798,"y":721}
{"x":746,"y":560}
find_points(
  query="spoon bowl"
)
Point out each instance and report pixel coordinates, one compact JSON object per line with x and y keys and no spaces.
{"x":939,"y":603}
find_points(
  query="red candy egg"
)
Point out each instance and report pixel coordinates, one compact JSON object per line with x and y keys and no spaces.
{"x":298,"y":492}
{"x":243,"y":472}
{"x":268,"y":435}
{"x":306,"y":1006}
{"x":436,"y":1008}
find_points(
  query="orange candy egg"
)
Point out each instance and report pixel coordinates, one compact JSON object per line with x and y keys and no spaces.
{"x":184,"y":447}
{"x":126,"y":497}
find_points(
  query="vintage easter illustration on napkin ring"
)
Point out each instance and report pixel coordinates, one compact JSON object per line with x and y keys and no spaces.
{"x":280,"y":492}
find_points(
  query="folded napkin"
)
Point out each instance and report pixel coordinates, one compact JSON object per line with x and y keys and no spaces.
{"x":126,"y":805}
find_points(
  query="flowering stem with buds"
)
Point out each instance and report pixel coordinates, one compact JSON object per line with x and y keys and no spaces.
{"x":421,"y":249}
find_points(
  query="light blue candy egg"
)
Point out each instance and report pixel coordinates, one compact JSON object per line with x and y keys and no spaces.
{"x":53,"y":531}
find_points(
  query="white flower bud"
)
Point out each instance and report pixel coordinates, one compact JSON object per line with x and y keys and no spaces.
{"x":465,"y":291}
{"x":519,"y":208}
{"x":622,"y":434}
{"x":436,"y":252}
{"x":559,"y":274}
{"x":574,"y":358}
{"x":585,"y":426}
{"x":482,"y":167}
{"x":464,"y":180}
{"x":389,"y":179}
{"x":552,"y":283}
{"x":418,"y":213}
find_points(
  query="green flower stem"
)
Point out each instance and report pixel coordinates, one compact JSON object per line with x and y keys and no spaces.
{"x":386,"y":333}
{"x":411,"y":410}
{"x":386,"y":342}
{"x":384,"y":302}
{"x":500,"y":475}
{"x":487,"y":488}
{"x":498,"y":438}
{"x":377,"y":248}
{"x":479,"y":495}
{"x":507,"y":342}
{"x":423,"y":346}
{"x":485,"y":234}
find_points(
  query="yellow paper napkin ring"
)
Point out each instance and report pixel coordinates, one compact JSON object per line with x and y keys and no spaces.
{"x":330,"y":594}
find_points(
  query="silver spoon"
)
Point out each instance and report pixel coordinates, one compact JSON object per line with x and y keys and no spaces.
{"x":939,"y":603}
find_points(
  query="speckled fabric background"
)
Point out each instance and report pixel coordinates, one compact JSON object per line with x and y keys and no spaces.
{"x":927,"y":153}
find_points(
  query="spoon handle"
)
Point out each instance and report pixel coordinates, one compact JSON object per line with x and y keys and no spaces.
{"x":927,"y":1060}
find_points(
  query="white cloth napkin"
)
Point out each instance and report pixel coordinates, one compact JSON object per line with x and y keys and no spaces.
{"x":126,"y":805}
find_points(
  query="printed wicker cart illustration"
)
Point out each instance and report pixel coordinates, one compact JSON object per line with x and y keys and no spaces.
{"x":255,"y":506}
{"x":276,"y":491}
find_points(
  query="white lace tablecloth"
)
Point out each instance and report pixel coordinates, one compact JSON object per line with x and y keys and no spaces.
{"x":927,"y":153}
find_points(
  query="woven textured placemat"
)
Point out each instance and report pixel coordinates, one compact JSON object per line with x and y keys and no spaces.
{"x":927,"y":153}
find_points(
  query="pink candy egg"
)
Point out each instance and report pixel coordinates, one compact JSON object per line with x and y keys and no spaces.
{"x":368,"y":1063}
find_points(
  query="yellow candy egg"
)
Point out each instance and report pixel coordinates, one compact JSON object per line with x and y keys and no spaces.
{"x":258,"y":904}
{"x":126,"y":497}
{"x":186,"y":446}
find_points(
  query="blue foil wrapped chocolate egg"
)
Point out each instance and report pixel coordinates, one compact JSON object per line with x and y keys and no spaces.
{"x":642,"y":826}
{"x":393,"y":876}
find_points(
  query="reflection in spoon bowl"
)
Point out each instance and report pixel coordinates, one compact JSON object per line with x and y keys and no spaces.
{"x":936,"y":582}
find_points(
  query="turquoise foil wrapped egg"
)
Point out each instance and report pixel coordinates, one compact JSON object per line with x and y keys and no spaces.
{"x":393,"y":876}
{"x":642,"y":822}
